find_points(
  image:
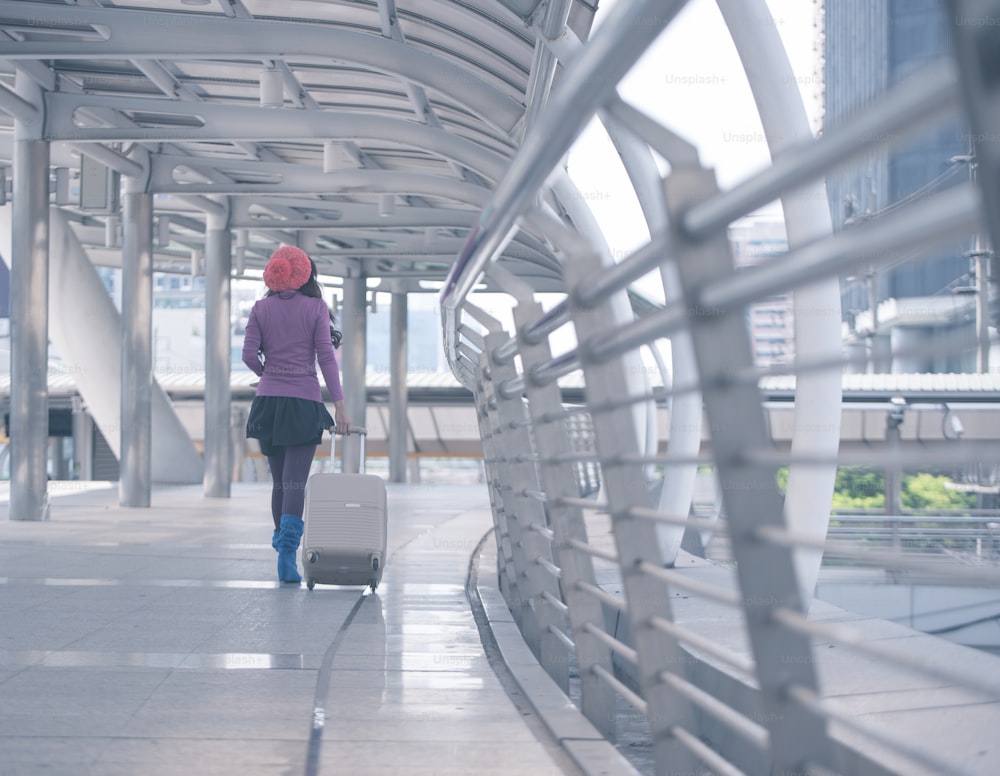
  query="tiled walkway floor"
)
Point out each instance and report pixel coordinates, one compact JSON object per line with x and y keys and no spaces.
{"x":156,"y":641}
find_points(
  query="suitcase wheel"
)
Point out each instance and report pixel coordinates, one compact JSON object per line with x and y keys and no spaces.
{"x":311,"y":583}
{"x":375,"y":562}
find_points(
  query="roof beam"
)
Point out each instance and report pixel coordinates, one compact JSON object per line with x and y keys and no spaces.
{"x":391,"y":31}
{"x":118,"y":33}
{"x":207,"y":121}
{"x":165,"y":81}
{"x":248,"y":176}
{"x":344,"y":224}
{"x":354,"y":216}
{"x":111,"y":158}
{"x":418,"y":97}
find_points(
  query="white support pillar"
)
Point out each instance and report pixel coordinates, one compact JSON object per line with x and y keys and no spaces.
{"x":354,"y":364}
{"x":136,"y":464}
{"x":83,"y":442}
{"x":29,"y":297}
{"x":817,"y":306}
{"x":218,"y":357}
{"x":398,"y":368}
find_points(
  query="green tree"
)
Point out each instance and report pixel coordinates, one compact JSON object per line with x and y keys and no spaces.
{"x":928,"y":491}
{"x":858,"y":487}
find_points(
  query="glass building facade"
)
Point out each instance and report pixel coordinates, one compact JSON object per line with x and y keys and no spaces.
{"x":871,"y":45}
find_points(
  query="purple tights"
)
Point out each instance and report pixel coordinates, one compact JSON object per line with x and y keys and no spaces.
{"x":289,"y":472}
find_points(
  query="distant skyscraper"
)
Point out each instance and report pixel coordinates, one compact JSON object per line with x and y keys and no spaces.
{"x":869,"y":47}
{"x":770,"y":321}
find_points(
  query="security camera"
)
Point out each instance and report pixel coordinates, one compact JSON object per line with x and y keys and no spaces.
{"x":951,"y":425}
{"x":897,"y":408}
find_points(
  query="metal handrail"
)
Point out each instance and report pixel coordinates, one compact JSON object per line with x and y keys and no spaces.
{"x":596,"y":71}
{"x":584,"y":557}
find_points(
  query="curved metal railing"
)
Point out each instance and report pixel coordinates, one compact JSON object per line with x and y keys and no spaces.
{"x":733,"y":666}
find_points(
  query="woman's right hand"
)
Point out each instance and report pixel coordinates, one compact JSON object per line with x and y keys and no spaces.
{"x":341,"y":425}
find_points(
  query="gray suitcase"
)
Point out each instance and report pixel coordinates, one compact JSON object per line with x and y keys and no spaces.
{"x":344,"y":539}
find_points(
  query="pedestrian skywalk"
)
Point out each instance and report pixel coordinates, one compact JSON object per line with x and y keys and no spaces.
{"x":157,"y":641}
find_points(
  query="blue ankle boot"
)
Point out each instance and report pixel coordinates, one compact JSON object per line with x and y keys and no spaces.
{"x":288,"y":545}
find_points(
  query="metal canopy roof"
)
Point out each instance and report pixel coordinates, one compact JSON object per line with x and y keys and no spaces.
{"x":369,"y":133}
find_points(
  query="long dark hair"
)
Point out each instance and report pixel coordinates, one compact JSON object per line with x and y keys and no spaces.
{"x":310,"y":288}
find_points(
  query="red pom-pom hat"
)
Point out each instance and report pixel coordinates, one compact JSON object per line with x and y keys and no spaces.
{"x":288,"y":269}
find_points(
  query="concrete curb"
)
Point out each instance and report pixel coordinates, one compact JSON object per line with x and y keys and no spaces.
{"x":593,"y":754}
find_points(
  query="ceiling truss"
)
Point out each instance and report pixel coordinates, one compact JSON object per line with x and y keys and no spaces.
{"x":391,"y":125}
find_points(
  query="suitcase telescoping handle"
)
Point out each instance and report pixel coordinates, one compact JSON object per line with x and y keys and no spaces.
{"x":362,"y":432}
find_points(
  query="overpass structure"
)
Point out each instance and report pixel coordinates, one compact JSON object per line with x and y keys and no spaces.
{"x":939,"y":411}
{"x":405,"y":144}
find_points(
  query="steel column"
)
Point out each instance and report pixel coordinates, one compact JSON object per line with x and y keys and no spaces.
{"x":354,"y":364}
{"x":983,"y":259}
{"x":218,"y":358}
{"x":83,"y":442}
{"x":135,"y":479}
{"x":398,"y":369}
{"x":893,"y":468}
{"x":29,"y":300}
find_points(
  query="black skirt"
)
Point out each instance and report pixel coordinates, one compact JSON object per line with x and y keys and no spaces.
{"x":281,"y":421}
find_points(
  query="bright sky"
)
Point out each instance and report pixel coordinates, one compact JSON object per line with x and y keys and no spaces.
{"x":692,"y":81}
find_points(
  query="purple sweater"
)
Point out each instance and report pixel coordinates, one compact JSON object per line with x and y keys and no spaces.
{"x":294,"y":331}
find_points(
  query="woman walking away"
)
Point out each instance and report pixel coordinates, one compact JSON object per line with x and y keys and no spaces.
{"x":287,"y":334}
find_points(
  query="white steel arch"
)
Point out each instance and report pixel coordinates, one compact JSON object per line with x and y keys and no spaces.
{"x":817,"y":306}
{"x":671,"y":669}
